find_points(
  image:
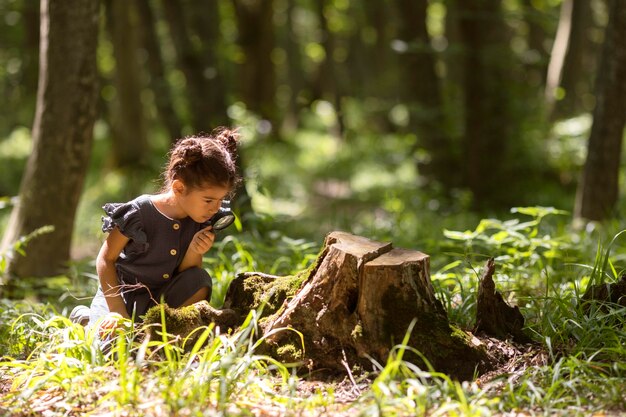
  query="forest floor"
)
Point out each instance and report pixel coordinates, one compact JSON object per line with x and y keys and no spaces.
{"x":511,"y":360}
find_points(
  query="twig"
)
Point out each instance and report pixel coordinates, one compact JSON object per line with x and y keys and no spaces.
{"x":344,"y":362}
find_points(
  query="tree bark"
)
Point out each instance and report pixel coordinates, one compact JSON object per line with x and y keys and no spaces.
{"x":559,"y":50}
{"x":256,"y":38}
{"x":420,"y":88}
{"x":360,"y":303}
{"x":537,"y":38}
{"x":191,"y":65}
{"x":326,"y":85}
{"x":295,"y":71}
{"x":580,"y":59}
{"x":488,"y":120}
{"x":599,"y":187}
{"x":205,"y":19}
{"x":130,"y":142}
{"x":162,"y":94}
{"x":359,"y":300}
{"x":379,"y":57}
{"x":62,"y":137}
{"x":494,"y":316}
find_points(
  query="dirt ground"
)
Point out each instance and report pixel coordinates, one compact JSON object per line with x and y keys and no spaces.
{"x":511,"y":361}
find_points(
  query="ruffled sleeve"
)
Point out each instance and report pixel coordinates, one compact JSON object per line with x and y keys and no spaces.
{"x":127,"y":218}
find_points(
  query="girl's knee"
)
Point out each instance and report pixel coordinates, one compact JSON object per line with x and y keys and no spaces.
{"x":190,"y":286}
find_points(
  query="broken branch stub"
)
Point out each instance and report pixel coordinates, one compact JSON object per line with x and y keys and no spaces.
{"x":494,"y":316}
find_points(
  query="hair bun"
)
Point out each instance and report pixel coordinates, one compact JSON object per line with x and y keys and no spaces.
{"x":228,"y":138}
{"x":190,"y":150}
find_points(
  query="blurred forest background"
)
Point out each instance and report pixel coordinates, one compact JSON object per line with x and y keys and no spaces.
{"x":390,"y":119}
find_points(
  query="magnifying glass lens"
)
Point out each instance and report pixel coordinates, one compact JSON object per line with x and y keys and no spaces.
{"x":224,"y":222}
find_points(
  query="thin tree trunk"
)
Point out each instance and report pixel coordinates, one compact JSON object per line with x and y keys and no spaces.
{"x":327,"y":85}
{"x":559,"y":50}
{"x":378,"y":16}
{"x":205,"y":20}
{"x":453,"y":86}
{"x":536,"y":39}
{"x":488,"y":122}
{"x":62,"y":137}
{"x":578,"y":67}
{"x":256,"y":38}
{"x":129,"y":133}
{"x":295,"y":70}
{"x":599,"y":187}
{"x":420,"y":88}
{"x":191,"y":65}
{"x":162,"y":94}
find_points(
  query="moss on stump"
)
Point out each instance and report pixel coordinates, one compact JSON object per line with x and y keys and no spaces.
{"x":358,"y":300}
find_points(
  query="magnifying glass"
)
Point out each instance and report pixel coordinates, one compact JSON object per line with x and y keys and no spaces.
{"x":223,"y":218}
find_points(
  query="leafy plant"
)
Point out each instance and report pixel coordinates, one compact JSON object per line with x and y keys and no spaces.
{"x":521,"y":247}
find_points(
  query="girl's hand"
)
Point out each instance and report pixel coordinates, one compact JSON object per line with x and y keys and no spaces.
{"x":202,"y":241}
{"x":109,"y":323}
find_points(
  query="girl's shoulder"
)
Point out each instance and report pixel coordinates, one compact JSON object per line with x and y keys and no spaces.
{"x":128,"y":217}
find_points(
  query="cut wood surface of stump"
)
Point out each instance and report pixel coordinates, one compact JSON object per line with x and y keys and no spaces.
{"x":358,"y":301}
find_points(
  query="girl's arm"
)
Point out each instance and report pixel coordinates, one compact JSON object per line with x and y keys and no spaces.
{"x":200,"y":244}
{"x":105,"y":265}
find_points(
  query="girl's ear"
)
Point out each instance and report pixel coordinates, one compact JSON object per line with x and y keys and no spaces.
{"x":178,"y":187}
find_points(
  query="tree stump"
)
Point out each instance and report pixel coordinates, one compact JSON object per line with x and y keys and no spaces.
{"x":359,"y":300}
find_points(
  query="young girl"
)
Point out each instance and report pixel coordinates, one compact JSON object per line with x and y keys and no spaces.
{"x":155,"y":245}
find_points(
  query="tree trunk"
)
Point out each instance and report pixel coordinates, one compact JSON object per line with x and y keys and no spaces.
{"x":205,"y":19}
{"x":578,"y":68}
{"x":359,"y":299}
{"x":162,"y":93}
{"x":256,"y":38}
{"x":379,"y":58}
{"x":295,"y":71}
{"x":537,"y":38}
{"x":420,"y":88}
{"x":192,"y":67}
{"x":128,"y":124}
{"x":62,"y":137}
{"x":488,"y":121}
{"x":326,"y":78}
{"x":599,"y":187}
{"x":453,"y":96}
{"x":557,"y":56}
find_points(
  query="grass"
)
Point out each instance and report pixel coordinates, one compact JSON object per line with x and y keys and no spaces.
{"x":51,"y":365}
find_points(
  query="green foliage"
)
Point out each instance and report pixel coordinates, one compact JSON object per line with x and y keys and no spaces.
{"x":578,"y":373}
{"x":530,"y":256}
{"x":20,"y":245}
{"x":522,"y":247}
{"x":352,"y":163}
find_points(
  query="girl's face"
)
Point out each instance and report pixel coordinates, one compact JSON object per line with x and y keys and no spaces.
{"x":200,"y":203}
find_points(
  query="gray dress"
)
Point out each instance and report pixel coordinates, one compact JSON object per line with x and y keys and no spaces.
{"x":147,"y":268}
